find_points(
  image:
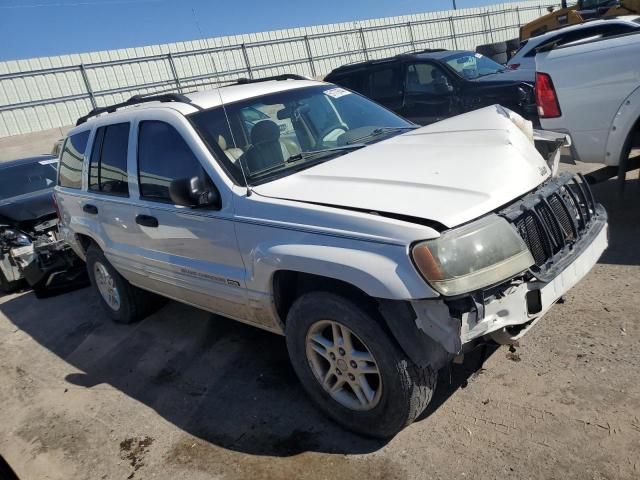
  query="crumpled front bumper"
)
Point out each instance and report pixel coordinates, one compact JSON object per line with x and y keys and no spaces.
{"x":508,"y":316}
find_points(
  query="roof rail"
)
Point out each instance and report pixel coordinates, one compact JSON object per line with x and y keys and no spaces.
{"x":135,"y":100}
{"x":426,"y":50}
{"x":283,"y":76}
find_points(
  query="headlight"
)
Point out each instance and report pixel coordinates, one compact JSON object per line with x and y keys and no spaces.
{"x":473,"y":256}
{"x":15,"y":238}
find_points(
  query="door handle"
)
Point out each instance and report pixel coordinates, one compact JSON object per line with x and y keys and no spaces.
{"x":147,"y":221}
{"x":88,"y":208}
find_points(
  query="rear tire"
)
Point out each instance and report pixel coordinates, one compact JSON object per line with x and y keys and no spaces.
{"x":123,"y":302}
{"x":394,"y":394}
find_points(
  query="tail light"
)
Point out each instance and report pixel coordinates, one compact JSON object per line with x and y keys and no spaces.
{"x":513,"y":66}
{"x":546,"y":98}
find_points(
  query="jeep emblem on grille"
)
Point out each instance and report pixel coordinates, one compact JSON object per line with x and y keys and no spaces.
{"x":543,"y":171}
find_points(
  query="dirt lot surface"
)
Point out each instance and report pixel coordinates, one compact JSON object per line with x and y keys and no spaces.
{"x":183,"y":394}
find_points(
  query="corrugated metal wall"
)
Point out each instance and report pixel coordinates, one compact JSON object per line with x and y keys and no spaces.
{"x":42,"y":93}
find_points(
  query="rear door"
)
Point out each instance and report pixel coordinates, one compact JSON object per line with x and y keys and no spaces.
{"x":383,"y":83}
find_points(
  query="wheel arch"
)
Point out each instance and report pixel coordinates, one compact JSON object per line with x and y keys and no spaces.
{"x":625,"y":123}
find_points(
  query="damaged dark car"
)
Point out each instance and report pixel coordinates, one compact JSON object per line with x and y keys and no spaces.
{"x":429,"y":86}
{"x":30,"y":249}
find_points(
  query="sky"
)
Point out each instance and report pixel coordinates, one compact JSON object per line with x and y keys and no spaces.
{"x":35,"y":28}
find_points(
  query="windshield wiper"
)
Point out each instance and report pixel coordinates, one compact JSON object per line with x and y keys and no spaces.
{"x":380,"y":131}
{"x":313,"y":155}
{"x":321,"y":153}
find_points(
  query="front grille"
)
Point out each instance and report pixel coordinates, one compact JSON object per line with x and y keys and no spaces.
{"x":551,"y":219}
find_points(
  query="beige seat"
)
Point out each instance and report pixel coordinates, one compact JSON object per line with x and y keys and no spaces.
{"x":232,"y":153}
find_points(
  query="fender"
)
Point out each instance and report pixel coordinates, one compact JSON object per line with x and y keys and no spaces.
{"x":362,"y":268}
{"x":621,"y":125}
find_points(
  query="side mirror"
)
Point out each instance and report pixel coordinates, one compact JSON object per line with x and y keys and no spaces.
{"x":192,"y":192}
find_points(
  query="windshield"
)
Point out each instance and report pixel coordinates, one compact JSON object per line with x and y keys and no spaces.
{"x":471,"y":65}
{"x":27,"y":178}
{"x":274,"y":135}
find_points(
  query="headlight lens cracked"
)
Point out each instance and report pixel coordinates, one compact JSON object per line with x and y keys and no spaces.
{"x":476,"y":255}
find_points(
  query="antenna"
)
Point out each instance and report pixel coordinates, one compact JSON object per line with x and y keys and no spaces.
{"x":224,"y":108}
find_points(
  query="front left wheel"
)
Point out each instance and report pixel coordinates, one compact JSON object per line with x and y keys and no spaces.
{"x":351,"y":367}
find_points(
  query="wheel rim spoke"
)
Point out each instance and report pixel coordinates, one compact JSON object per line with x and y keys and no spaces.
{"x":343,"y":365}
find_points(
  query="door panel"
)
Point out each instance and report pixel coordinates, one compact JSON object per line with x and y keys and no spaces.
{"x":190,"y":254}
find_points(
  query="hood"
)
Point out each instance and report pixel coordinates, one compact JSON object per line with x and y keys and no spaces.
{"x":508,"y":76}
{"x":449,"y":172}
{"x":27,"y":210}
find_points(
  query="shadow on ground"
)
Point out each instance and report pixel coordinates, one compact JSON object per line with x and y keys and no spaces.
{"x":217,"y":379}
{"x":623,"y":208}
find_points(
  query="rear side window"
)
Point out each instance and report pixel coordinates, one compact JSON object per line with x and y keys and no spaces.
{"x":352,"y":81}
{"x":163,"y":156}
{"x":108,"y":164}
{"x":384,"y":83}
{"x":70,"y":172}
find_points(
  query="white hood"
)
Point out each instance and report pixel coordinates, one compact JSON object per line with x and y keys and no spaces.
{"x":450,"y":172}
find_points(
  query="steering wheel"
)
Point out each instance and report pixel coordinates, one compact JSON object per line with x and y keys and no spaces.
{"x":331,"y":128}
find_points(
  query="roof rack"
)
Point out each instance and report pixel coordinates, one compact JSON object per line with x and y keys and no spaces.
{"x":283,"y":76}
{"x":135,"y":100}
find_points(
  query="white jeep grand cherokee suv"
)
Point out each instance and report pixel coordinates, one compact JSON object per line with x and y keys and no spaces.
{"x":380,"y":249}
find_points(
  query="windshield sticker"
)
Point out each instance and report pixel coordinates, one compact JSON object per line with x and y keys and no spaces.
{"x":48,"y":162}
{"x":337,"y":92}
{"x":478,"y":55}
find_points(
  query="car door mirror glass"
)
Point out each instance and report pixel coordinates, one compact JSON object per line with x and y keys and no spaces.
{"x":194,"y":193}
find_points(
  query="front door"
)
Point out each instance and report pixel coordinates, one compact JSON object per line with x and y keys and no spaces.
{"x":190,"y":254}
{"x":429,"y":94}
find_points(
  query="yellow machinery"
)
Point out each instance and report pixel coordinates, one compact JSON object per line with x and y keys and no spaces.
{"x":578,"y":13}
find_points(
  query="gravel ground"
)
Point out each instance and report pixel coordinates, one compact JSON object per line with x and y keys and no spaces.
{"x":185,"y":395}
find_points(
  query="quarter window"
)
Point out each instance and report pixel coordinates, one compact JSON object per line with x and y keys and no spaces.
{"x":108,"y":164}
{"x":70,"y":172}
{"x":163,"y":156}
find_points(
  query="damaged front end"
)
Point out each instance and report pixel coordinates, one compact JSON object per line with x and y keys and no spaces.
{"x":36,"y":255}
{"x":565,"y":231}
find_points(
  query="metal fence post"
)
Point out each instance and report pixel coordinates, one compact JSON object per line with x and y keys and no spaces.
{"x":87,"y":85}
{"x":490,"y":27}
{"x":411,"y":39}
{"x":172,"y":65}
{"x":518,"y":16}
{"x":453,"y":33}
{"x":309,"y":55}
{"x":364,"y":45}
{"x":246,"y":60}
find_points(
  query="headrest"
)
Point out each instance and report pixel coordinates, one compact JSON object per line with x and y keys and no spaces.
{"x":436,"y":73}
{"x":222,"y":142}
{"x":264,"y":132}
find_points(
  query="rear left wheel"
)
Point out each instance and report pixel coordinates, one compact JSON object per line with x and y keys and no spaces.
{"x":122,"y":301}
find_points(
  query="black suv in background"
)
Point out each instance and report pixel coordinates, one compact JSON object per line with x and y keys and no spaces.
{"x":431,"y":85}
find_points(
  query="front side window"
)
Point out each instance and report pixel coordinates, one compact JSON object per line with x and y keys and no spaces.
{"x":70,"y":172}
{"x":425,"y":78}
{"x":108,"y":162}
{"x":473,"y":65}
{"x":303,"y":126}
{"x":27,"y":178}
{"x":163,"y":156}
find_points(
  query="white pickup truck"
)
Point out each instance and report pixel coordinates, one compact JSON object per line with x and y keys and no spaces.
{"x":591,"y":91}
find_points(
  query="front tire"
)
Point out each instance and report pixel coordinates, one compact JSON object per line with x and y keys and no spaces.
{"x":352,"y":369}
{"x":123,"y":302}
